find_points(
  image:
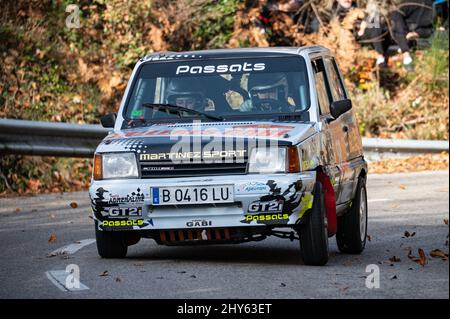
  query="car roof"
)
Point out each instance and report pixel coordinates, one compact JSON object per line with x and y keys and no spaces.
{"x":230,"y":53}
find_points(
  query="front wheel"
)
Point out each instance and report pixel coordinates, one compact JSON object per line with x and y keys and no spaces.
{"x":111,"y":244}
{"x":314,"y":234}
{"x":352,"y":226}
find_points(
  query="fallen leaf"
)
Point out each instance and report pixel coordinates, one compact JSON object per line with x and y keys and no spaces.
{"x":52,"y":238}
{"x":343,"y":290}
{"x":446,"y":221}
{"x":393,"y":277}
{"x":407,"y":234}
{"x":17,"y":210}
{"x":422,"y":258}
{"x":73,"y":205}
{"x":394,"y":259}
{"x":369,"y":238}
{"x":104,"y":274}
{"x":193,"y":276}
{"x":118,"y":279}
{"x":402,"y":187}
{"x":437,"y":253}
{"x":283,"y":285}
{"x":413,"y":234}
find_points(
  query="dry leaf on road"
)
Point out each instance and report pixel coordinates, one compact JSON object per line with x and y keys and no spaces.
{"x":73,"y":205}
{"x":394,"y":259}
{"x":52,"y":238}
{"x":104,"y":274}
{"x":422,"y":258}
{"x":437,"y":253}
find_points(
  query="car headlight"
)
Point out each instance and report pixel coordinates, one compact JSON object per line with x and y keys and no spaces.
{"x":267,"y":160}
{"x":115,"y":165}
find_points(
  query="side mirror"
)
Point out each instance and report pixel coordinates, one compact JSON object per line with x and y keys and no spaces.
{"x":338,"y":108}
{"x":108,"y":120}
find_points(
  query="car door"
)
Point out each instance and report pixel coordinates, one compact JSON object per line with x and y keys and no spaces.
{"x":332,"y":140}
{"x":353,"y":138}
{"x":344,"y":126}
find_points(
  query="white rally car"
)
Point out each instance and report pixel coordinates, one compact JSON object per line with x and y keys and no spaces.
{"x":230,"y":146}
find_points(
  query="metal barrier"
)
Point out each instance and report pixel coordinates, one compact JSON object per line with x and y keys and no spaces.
{"x":80,"y":140}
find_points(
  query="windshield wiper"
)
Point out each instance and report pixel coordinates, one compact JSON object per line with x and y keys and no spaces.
{"x":177,"y":110}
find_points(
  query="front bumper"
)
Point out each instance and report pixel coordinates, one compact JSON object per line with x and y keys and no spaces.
{"x":132,"y":197}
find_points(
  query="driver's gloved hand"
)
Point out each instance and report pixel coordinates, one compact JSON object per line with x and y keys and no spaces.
{"x":246,"y":106}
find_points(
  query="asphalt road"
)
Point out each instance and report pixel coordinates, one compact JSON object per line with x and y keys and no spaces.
{"x":415,"y":202}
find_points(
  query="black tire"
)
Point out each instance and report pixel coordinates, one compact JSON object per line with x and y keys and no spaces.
{"x":352,"y":226}
{"x":111,"y":244}
{"x":314,"y":235}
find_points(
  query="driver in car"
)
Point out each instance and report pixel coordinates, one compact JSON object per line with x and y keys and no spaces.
{"x":268,"y":92}
{"x":185,"y":93}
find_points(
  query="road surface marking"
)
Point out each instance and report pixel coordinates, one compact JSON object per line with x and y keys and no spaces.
{"x":58,"y":278}
{"x":72,"y":248}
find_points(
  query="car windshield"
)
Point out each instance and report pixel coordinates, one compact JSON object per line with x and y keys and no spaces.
{"x":225,"y":88}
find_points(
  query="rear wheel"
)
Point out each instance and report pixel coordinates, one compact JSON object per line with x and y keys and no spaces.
{"x":352,"y":226}
{"x":314,"y":234}
{"x":111,"y":244}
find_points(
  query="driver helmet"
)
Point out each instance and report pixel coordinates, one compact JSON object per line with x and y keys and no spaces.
{"x":266,"y":87}
{"x":186,"y":93}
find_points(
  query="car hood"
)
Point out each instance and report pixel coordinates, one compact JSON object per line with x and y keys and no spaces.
{"x":142,"y":139}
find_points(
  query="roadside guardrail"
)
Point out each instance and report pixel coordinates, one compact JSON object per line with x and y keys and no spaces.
{"x":80,"y":140}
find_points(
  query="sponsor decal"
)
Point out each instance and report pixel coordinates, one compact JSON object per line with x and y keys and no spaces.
{"x":122,"y":223}
{"x":306,"y":204}
{"x":275,"y":206}
{"x":267,"y":217}
{"x":223,"y":68}
{"x":199,"y":223}
{"x":255,"y":187}
{"x":115,"y":212}
{"x":134,"y":197}
{"x":192,"y":155}
{"x":290,"y":199}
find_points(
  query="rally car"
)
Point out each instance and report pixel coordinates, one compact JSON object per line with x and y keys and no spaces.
{"x":230,"y":146}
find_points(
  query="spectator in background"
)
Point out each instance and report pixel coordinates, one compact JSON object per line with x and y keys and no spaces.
{"x":411,"y":20}
{"x":366,"y":31}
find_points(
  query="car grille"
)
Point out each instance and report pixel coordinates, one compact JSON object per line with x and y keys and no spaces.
{"x":167,"y":169}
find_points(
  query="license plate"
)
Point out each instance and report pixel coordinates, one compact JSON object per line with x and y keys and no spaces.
{"x":192,"y":195}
